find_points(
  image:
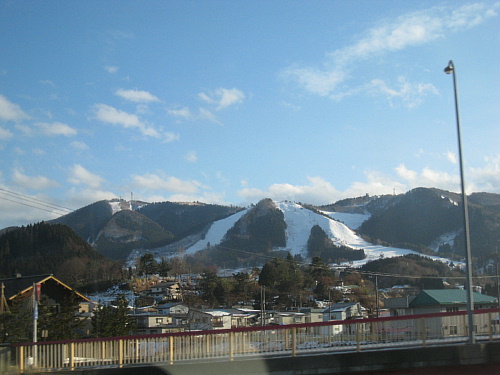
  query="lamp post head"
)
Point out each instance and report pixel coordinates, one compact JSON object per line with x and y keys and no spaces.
{"x":450,"y":68}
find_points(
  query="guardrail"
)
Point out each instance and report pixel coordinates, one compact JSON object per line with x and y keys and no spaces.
{"x":353,"y":335}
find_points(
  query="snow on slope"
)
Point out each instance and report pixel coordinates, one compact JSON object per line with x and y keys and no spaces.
{"x":299,"y":222}
{"x":216,"y":232}
{"x":353,"y":221}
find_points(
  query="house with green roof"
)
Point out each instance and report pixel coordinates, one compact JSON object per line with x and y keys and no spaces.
{"x":445,"y":301}
{"x":448,"y":300}
{"x":430,"y":301}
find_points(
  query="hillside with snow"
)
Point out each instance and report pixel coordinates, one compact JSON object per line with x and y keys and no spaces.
{"x":299,"y":221}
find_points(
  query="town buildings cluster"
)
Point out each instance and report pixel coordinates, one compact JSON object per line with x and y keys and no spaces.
{"x":169,"y":313}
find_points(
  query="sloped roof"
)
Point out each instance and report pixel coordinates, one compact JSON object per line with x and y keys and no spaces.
{"x":341,"y":306}
{"x":433,"y":297}
{"x":21,"y":287}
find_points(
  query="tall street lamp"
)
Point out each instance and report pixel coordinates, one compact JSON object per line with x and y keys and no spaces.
{"x":450,"y":69}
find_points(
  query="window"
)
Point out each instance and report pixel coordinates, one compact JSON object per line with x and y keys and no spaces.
{"x":452,"y":309}
{"x":453,"y":330}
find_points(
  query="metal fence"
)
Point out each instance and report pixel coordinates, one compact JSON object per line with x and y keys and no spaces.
{"x":5,"y":358}
{"x":333,"y":336}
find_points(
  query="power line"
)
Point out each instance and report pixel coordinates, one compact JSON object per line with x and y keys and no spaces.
{"x":34,"y":202}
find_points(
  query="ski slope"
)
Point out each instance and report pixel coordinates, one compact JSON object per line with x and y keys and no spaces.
{"x":299,"y":221}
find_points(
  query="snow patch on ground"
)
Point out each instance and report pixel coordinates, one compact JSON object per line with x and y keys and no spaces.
{"x":216,"y":233}
{"x":353,"y":221}
{"x":299,"y":222}
{"x":445,"y":239}
{"x":115,"y":207}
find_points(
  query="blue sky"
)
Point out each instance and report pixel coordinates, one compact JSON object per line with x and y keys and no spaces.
{"x":230,"y":102}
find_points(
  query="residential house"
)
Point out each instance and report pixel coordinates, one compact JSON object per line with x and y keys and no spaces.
{"x":173,"y":308}
{"x":207,"y":319}
{"x":289,"y":317}
{"x":443,"y":301}
{"x":344,"y":311}
{"x":153,"y":323}
{"x":312,"y":315}
{"x":51,"y":293}
{"x":19,"y":289}
{"x":166,"y":291}
{"x":436,"y":301}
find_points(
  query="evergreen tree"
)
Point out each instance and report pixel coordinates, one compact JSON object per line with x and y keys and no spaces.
{"x":64,"y":324}
{"x":283,"y":278}
{"x":147,"y":265}
{"x":110,"y":321}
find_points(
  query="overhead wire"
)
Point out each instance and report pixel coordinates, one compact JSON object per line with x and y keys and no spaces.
{"x":61,"y":210}
{"x":32,"y":202}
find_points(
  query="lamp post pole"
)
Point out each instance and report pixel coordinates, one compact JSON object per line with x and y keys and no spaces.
{"x":450,"y":69}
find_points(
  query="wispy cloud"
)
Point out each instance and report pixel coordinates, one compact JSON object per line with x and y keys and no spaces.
{"x":191,"y":157}
{"x":111,"y":69}
{"x":163,"y":182}
{"x":78,"y":175}
{"x":111,"y":115}
{"x":56,"y":128}
{"x":319,"y":191}
{"x":32,"y":182}
{"x":10,"y":111}
{"x":216,"y":100}
{"x":223,"y":98}
{"x":5,"y":133}
{"x":332,"y":76}
{"x":79,"y":145}
{"x":137,"y":96}
{"x":410,"y":93}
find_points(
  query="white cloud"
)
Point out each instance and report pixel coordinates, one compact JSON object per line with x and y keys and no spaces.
{"x":79,"y":145}
{"x":410,"y":93}
{"x":170,"y":137}
{"x":331,"y":77}
{"x":452,"y":157}
{"x":111,"y":69}
{"x":153,"y":181}
{"x":487,"y":177}
{"x":184,"y":113}
{"x":137,"y":96}
{"x":428,"y":178}
{"x":10,"y":111}
{"x":86,"y":196}
{"x":191,"y":157}
{"x":78,"y":175}
{"x":318,"y":191}
{"x":56,"y":128}
{"x":223,"y":98}
{"x":32,"y":182}
{"x":5,"y":133}
{"x":110,"y":115}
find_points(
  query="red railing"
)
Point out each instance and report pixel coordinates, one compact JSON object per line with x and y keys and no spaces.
{"x":357,"y":335}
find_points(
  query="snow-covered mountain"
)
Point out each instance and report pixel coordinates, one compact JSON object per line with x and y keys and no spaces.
{"x":299,"y":222}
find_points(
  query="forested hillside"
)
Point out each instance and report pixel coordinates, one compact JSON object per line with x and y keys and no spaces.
{"x":183,"y":219}
{"x":128,"y":230}
{"x":255,"y":234}
{"x":88,"y":221}
{"x":320,"y":246}
{"x":413,"y":267}
{"x":421,"y":216}
{"x":52,"y":248}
